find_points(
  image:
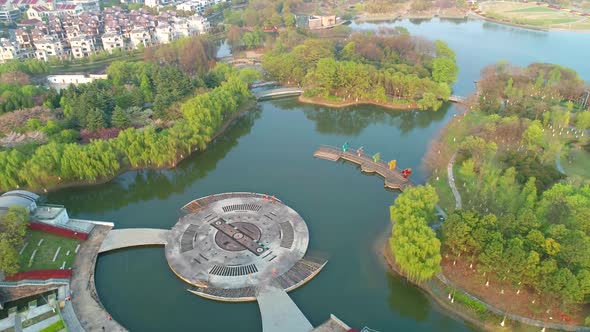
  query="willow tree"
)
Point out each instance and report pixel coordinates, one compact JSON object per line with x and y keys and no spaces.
{"x":413,"y":242}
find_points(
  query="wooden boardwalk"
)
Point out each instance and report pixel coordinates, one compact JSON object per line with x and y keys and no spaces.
{"x":278,"y":93}
{"x":393,"y":177}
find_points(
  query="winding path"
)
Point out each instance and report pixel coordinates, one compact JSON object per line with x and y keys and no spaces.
{"x":86,"y":304}
{"x":451,"y":178}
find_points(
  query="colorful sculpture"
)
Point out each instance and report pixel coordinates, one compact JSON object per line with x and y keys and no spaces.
{"x":392,"y":164}
{"x":345,"y":147}
{"x":376,"y":157}
{"x":406,"y":173}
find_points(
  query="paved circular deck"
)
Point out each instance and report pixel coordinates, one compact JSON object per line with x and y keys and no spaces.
{"x":234,"y":242}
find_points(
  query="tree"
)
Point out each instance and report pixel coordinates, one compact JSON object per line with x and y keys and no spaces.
{"x":583,"y":120}
{"x":416,"y":248}
{"x":8,"y":257}
{"x":120,"y":118}
{"x":533,"y":135}
{"x":95,"y":119}
{"x":13,"y":226}
{"x":444,"y":70}
{"x":413,"y":243}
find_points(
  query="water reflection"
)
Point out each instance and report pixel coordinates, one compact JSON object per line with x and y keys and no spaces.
{"x":405,"y":300}
{"x":351,"y":121}
{"x":512,"y":29}
{"x":139,"y":186}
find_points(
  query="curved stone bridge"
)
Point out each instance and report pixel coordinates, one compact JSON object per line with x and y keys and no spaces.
{"x":133,"y":237}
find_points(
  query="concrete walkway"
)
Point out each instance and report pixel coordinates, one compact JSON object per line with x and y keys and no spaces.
{"x":279,"y":313}
{"x":69,"y":317}
{"x":90,"y":312}
{"x":133,"y":237}
{"x":18,"y":323}
{"x":451,"y":177}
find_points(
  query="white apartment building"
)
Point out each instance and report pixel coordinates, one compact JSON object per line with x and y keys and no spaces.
{"x":49,"y":46}
{"x":113,"y":41}
{"x":140,"y":36}
{"x":82,"y":46}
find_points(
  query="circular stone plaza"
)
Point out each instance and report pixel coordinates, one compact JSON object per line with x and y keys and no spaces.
{"x":229,"y":246}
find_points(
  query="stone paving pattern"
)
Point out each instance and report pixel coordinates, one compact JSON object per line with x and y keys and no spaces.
{"x":195,"y":256}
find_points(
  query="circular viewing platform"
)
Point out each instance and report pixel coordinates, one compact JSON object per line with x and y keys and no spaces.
{"x":229,"y":245}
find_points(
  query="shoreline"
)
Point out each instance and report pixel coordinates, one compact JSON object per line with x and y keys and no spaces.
{"x":515,"y":322}
{"x":247,"y":107}
{"x":388,"y":260}
{"x":368,"y":18}
{"x":340,"y":104}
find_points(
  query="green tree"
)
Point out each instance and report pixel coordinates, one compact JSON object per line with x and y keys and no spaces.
{"x":413,"y":243}
{"x":120,"y":118}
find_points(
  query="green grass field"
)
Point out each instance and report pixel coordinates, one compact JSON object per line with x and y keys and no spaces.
{"x":533,"y":10}
{"x":577,"y":164}
{"x":44,"y":256}
{"x":532,"y":15}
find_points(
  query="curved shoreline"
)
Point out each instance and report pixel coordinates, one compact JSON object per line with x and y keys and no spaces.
{"x":470,"y":14}
{"x":247,"y":107}
{"x":391,"y":265}
{"x":463,"y":312}
{"x":340,"y":104}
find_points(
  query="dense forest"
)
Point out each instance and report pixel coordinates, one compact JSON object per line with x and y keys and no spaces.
{"x":388,"y":67}
{"x":522,"y":222}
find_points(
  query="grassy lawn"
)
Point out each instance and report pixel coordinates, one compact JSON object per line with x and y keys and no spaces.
{"x":534,"y":10}
{"x":55,"y":327}
{"x":540,"y":16}
{"x":44,"y":256}
{"x":445,"y":195}
{"x":577,"y":163}
{"x":93,"y":65}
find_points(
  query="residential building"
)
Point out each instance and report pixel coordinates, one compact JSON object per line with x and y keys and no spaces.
{"x":113,"y":41}
{"x":82,"y":46}
{"x":9,"y":15}
{"x":50,"y":46}
{"x":8,"y":50}
{"x":140,"y":36}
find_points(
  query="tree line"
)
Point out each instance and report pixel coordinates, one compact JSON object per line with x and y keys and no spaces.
{"x":147,"y":147}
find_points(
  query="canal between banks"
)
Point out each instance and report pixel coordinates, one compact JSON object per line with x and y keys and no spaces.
{"x":270,"y":151}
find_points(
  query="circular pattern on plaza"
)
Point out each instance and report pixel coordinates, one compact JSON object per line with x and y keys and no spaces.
{"x":229,"y":244}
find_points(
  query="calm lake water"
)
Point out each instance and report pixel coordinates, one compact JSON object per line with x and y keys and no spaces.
{"x":270,"y":151}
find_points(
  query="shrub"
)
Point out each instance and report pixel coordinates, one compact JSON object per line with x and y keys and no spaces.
{"x":470,"y":303}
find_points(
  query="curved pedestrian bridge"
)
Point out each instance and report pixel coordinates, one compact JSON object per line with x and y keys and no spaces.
{"x":133,"y":237}
{"x":393,"y":177}
{"x":277,"y":93}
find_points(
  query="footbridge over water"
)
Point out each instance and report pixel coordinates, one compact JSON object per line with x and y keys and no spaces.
{"x":133,"y":237}
{"x":393,"y":177}
{"x":277,"y":93}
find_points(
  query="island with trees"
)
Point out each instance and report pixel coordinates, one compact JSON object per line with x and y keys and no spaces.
{"x":390,"y":68}
{"x":520,"y":241}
